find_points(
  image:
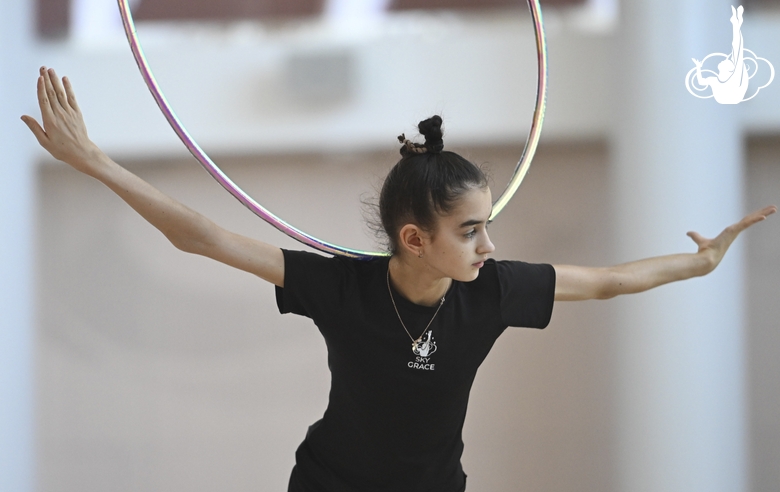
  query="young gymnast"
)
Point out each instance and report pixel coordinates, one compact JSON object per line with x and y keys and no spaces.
{"x":405,"y":333}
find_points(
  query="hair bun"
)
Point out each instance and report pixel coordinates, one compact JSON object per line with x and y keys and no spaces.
{"x":431,"y":130}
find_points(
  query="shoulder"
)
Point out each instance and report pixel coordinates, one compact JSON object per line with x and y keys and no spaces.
{"x":318,"y":286}
{"x":509,"y":271}
{"x":308,"y":267}
{"x":526,"y":291}
{"x":502,"y":277}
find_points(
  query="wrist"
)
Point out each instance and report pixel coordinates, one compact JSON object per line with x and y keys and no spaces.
{"x":94,"y":162}
{"x":707,"y":260}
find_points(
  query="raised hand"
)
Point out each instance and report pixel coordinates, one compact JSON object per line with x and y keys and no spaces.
{"x":715,"y":248}
{"x":63,"y":134}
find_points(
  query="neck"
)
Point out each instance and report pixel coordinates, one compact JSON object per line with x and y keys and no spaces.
{"x":416,"y":283}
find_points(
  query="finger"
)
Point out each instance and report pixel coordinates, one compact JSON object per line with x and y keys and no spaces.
{"x":748,"y":221}
{"x":756,"y":216}
{"x":43,"y":101}
{"x":36,"y":129}
{"x":71,"y":94}
{"x":51,"y":95}
{"x":61,"y":96}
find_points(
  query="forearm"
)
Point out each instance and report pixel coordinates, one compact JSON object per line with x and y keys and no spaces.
{"x":184,"y":228}
{"x":642,"y":275}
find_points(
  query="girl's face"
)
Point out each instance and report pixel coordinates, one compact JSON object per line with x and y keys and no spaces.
{"x":460,"y":245}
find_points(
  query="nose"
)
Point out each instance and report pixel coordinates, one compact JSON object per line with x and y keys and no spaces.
{"x":485,"y":246}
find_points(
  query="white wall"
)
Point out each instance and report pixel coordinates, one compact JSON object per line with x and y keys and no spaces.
{"x":16,"y":252}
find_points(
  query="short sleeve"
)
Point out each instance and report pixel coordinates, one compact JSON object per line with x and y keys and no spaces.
{"x":313,"y":285}
{"x":527,"y":293}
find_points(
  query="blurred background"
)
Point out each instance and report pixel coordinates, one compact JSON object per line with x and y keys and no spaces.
{"x":126,"y":365}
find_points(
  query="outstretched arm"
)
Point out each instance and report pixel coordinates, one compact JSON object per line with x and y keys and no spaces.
{"x":64,"y":136}
{"x":574,"y":283}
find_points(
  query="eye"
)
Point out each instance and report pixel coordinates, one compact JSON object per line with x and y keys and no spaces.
{"x":471,"y":233}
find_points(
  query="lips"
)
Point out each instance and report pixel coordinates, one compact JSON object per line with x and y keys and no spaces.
{"x":479,"y":265}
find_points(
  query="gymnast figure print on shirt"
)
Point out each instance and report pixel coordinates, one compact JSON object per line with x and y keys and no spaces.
{"x":423,"y":351}
{"x":426,"y":346}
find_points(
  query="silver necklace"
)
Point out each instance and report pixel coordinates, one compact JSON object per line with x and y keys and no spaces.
{"x":416,"y":341}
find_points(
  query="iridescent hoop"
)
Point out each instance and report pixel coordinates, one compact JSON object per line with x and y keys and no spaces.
{"x":297,"y":234}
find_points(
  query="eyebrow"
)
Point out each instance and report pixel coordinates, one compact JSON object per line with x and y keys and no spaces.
{"x":473,"y":222}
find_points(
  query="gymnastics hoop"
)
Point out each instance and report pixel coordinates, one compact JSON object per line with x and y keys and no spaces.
{"x":519,"y":174}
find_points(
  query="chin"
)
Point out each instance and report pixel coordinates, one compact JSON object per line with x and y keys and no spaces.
{"x":470,"y":276}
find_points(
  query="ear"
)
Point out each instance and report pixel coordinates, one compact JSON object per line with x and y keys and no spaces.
{"x":412,"y":239}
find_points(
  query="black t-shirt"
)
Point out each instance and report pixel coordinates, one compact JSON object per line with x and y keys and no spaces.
{"x":395,"y":418}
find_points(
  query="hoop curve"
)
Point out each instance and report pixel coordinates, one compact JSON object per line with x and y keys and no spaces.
{"x":519,"y":174}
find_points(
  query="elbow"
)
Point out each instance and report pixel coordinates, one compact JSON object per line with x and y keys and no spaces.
{"x":603,"y":296}
{"x":190,"y":244}
{"x":609,"y":292}
{"x":197,"y":241}
{"x":183,"y":243}
{"x":615,"y":283}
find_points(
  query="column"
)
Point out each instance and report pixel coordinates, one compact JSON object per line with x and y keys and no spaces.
{"x":677,"y":166}
{"x":17,"y":82}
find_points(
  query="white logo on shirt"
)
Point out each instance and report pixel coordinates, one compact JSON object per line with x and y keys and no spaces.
{"x":426,"y":346}
{"x":423,"y":351}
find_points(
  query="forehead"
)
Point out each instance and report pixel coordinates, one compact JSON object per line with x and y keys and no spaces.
{"x":474,"y":205}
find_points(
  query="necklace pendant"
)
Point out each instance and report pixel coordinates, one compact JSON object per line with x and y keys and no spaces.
{"x":414,"y":347}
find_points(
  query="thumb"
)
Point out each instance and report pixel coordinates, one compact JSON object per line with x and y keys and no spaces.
{"x":34,"y":127}
{"x":697,"y":238}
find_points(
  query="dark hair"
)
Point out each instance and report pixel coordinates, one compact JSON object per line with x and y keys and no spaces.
{"x":427,"y":181}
